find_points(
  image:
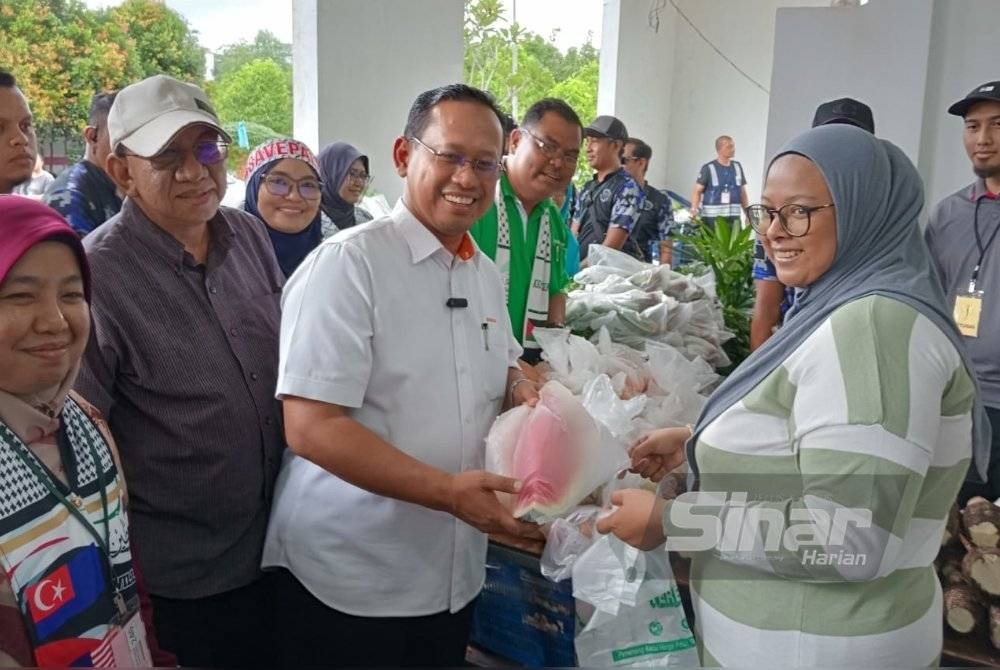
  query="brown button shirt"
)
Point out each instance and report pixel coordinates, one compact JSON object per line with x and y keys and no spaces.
{"x":183,"y":360}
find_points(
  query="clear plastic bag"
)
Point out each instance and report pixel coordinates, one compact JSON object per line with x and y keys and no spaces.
{"x":557,"y":450}
{"x":630,"y":609}
{"x":566,"y":540}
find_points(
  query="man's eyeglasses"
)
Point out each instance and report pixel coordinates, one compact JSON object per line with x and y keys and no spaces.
{"x":206,"y":153}
{"x":281,"y":186}
{"x":458,"y":161}
{"x":551,"y":151}
{"x":629,"y":159}
{"x":794,"y":219}
{"x":359,"y":177}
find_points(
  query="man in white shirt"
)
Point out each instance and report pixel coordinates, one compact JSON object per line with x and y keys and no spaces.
{"x":396,"y":356}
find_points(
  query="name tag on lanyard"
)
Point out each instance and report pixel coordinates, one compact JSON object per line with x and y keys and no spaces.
{"x":968,"y":309}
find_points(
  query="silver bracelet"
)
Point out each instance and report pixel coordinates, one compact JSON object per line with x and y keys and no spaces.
{"x":510,"y":389}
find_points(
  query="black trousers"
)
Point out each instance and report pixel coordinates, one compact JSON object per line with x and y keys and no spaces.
{"x":314,"y":635}
{"x":230,"y":630}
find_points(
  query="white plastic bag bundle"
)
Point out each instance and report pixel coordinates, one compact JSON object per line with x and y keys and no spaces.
{"x":567,"y":539}
{"x":557,"y":450}
{"x":631,"y":609}
{"x":600,"y":255}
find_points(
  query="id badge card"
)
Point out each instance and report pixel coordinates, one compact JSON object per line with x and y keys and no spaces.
{"x":127,"y":645}
{"x":724,"y":197}
{"x":968,"y":309}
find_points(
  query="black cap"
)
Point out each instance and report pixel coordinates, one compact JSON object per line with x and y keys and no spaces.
{"x":984,"y":92}
{"x":845,"y":110}
{"x":606,"y":126}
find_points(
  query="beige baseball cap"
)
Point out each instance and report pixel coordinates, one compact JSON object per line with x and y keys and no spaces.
{"x":148,"y":114}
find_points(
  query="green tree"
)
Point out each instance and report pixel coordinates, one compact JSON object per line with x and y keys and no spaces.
{"x":62,"y":53}
{"x":542,"y":70}
{"x":259,"y":92}
{"x":265,"y":45}
{"x":162,"y":39}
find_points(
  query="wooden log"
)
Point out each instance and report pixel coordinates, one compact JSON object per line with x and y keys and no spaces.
{"x":982,"y":568}
{"x":981,"y":520}
{"x":962,"y":610}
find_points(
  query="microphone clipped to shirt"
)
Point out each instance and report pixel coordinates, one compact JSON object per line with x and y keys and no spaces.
{"x":456,"y":303}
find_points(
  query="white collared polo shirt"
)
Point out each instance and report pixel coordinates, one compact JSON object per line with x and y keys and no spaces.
{"x":365,"y":325}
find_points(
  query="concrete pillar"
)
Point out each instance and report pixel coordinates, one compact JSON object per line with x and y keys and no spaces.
{"x":358,"y":66}
{"x":636,"y":75}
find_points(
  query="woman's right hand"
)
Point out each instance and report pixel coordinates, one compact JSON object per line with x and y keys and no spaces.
{"x":657,"y":453}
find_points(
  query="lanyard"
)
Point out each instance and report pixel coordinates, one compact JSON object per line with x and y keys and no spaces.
{"x":73,"y":503}
{"x":980,"y":246}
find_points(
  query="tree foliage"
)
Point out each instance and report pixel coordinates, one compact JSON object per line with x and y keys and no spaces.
{"x":62,"y":53}
{"x":265,"y":45}
{"x":260,"y":92}
{"x":542,"y":70}
{"x":163,"y":40}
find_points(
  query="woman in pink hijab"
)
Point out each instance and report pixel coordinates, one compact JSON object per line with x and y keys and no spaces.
{"x":69,"y":589}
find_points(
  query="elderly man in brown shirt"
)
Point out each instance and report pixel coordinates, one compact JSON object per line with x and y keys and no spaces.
{"x":183,"y":361}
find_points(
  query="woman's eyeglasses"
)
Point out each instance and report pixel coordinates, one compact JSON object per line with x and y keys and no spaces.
{"x":794,"y":219}
{"x":281,"y":187}
{"x":359,"y":177}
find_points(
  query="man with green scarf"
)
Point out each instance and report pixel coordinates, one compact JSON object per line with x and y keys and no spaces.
{"x":523,"y":231}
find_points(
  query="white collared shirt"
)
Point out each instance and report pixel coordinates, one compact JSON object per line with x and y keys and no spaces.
{"x":365,"y":326}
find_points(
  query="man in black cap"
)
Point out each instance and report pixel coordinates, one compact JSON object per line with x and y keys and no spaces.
{"x":610,"y":203}
{"x":845,"y":110}
{"x":772,"y":298}
{"x":721,"y":187}
{"x":962,"y":234}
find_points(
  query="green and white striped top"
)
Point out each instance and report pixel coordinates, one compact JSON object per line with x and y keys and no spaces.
{"x":849,"y":455}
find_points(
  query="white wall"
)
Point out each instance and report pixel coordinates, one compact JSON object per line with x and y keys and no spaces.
{"x":908,"y":59}
{"x":357,"y":83}
{"x":876,"y":53}
{"x":636,"y":85}
{"x":964,"y":52}
{"x":675,"y":88}
{"x":710,"y":97}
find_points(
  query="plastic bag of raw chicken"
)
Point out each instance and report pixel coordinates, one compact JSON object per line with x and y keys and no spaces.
{"x":557,"y":450}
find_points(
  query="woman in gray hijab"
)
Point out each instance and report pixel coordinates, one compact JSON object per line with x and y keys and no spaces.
{"x":346,"y":176}
{"x":827,"y":463}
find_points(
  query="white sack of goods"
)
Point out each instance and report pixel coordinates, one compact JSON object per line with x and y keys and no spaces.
{"x":638,"y":303}
{"x":558,"y":452}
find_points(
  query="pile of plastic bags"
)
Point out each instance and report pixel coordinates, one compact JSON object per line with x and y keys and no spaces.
{"x":638,"y":303}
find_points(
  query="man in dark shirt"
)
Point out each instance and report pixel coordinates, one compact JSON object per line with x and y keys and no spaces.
{"x":610,"y":202}
{"x":961,"y":235}
{"x":656,"y":216}
{"x":17,"y":135}
{"x":84,"y":193}
{"x":183,"y":361}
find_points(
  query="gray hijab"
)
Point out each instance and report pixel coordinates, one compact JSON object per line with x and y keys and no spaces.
{"x":334,"y":163}
{"x":880,"y":250}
